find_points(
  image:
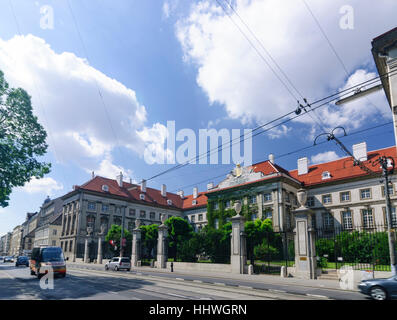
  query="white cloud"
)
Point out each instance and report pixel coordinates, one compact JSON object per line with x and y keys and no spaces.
{"x":65,"y":96}
{"x":169,"y":8}
{"x":231,"y":73}
{"x":45,"y":185}
{"x":324,"y":157}
{"x":109,"y":170}
{"x":279,"y":132}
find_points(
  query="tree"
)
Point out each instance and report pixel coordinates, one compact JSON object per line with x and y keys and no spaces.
{"x":114,"y":234}
{"x":179,"y":230}
{"x":257,"y":232}
{"x":216,"y":243}
{"x":22,"y":139}
{"x":149,"y":236}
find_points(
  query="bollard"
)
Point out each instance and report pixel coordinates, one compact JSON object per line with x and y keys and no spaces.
{"x":172,"y":267}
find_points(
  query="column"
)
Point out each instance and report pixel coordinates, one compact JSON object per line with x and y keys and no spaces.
{"x":86,"y":251}
{"x":162,"y":245}
{"x":99,"y":257}
{"x":238,"y":257}
{"x":305,"y":249}
{"x":136,"y":244}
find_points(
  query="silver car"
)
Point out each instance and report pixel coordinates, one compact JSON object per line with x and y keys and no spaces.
{"x":380,"y":289}
{"x":118,"y":264}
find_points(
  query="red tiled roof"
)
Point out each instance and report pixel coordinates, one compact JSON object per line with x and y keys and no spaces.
{"x":342,"y":169}
{"x":132,"y":192}
{"x":201,"y":201}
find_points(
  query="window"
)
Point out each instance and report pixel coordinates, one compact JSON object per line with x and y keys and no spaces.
{"x":268,"y":214}
{"x":347,"y":220}
{"x":54,"y":232}
{"x":117,"y":220}
{"x":216,"y":224}
{"x":216,"y":206}
{"x":169,"y":202}
{"x":325,"y":175}
{"x":54,"y":243}
{"x":105,"y":188}
{"x":328,"y":220}
{"x":252,"y":199}
{"x":391,"y":190}
{"x":105,"y":207}
{"x":310,"y":201}
{"x":66,"y":246}
{"x":142,"y":196}
{"x":253,"y":217}
{"x":267,"y":197}
{"x":368,"y":219}
{"x":132,"y":212}
{"x":142,"y":214}
{"x":365,"y":194}
{"x":228,"y":204}
{"x":327,"y":199}
{"x":345,"y":196}
{"x":152,"y":215}
{"x":393,"y":217}
{"x":287,"y":197}
{"x":193,"y":218}
{"x":91,"y":206}
{"x":200,"y":217}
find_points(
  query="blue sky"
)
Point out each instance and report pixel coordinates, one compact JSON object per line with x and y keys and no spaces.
{"x":185,"y":61}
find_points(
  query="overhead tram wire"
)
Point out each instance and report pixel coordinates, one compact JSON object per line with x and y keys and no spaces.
{"x":95,"y":80}
{"x":334,"y":50}
{"x":50,"y":135}
{"x":292,"y":152}
{"x":338,"y":94}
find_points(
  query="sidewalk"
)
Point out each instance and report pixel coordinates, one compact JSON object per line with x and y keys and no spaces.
{"x":263,"y":279}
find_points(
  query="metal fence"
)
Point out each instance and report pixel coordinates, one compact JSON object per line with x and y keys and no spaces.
{"x":359,"y":247}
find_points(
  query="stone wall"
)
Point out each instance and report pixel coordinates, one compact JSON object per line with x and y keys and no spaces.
{"x":201,"y":267}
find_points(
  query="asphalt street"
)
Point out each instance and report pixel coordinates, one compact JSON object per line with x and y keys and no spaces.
{"x":96,"y":283}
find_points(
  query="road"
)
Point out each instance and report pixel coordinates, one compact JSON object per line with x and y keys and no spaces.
{"x":95,"y":283}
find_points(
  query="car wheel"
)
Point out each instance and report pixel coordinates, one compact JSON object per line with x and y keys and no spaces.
{"x":106,"y":267}
{"x":32,"y":273}
{"x":378,"y":293}
{"x":116,"y":268}
{"x":128,"y":269}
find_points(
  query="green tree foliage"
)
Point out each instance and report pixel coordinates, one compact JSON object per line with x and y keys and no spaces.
{"x":179,"y":231}
{"x":114,"y":234}
{"x":149,"y":236}
{"x":216,"y":243}
{"x":257,"y":232}
{"x":22,"y":139}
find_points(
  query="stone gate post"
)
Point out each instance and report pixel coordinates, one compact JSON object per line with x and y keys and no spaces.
{"x":238,"y":258}
{"x":162,"y":245}
{"x":136,"y":244}
{"x":305,"y":249}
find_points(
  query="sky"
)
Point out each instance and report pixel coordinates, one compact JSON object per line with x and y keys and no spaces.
{"x":106,"y":76}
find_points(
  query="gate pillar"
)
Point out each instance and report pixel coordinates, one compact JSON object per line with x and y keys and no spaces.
{"x":162,"y":245}
{"x":305,"y":249}
{"x":238,"y":258}
{"x":136,"y":244}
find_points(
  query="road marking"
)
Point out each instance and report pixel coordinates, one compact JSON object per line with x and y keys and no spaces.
{"x":180,"y":279}
{"x":279,"y":291}
{"x":198,"y":281}
{"x":220,"y":283}
{"x":316,"y":296}
{"x":177,"y":295}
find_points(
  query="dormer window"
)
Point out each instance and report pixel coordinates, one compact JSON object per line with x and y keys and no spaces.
{"x":105,"y":188}
{"x":142,"y":196}
{"x":194,"y":202}
{"x":325,"y":175}
{"x":169,"y":202}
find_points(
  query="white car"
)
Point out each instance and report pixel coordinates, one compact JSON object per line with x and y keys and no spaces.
{"x":118,"y":264}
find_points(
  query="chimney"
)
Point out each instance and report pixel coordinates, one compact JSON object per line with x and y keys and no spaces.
{"x":181,"y":194}
{"x":360,"y":151}
{"x":143,"y":185}
{"x":271,"y":158}
{"x":303,"y":166}
{"x":119,"y":179}
{"x":210,"y":186}
{"x":93,"y":175}
{"x":163,"y":190}
{"x":195,"y":193}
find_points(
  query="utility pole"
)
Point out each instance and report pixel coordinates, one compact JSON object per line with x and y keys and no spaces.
{"x":390,"y":232}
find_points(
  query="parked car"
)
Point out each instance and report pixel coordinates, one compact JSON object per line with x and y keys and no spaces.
{"x":44,"y":258}
{"x":22,"y":261}
{"x":118,"y":264}
{"x":379,"y":289}
{"x":8,"y":259}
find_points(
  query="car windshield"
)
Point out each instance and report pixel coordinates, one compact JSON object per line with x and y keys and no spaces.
{"x":125,"y":260}
{"x":52,"y":255}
